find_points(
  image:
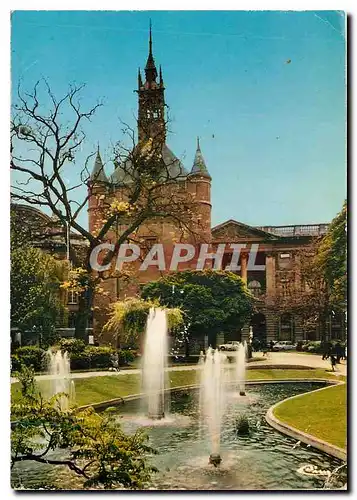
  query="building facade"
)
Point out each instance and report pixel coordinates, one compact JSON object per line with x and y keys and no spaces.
{"x":268,"y":254}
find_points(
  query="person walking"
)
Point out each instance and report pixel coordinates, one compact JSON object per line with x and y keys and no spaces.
{"x":333,"y":361}
{"x":339,"y":352}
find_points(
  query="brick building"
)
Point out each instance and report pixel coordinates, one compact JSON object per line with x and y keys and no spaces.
{"x":267,"y":253}
{"x":275,"y":247}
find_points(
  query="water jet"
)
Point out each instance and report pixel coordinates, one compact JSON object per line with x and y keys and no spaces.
{"x":59,"y":369}
{"x":213,"y":399}
{"x":154,"y":364}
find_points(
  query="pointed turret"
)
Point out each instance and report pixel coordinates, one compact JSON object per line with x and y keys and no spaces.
{"x":140,"y":82}
{"x":199,"y":164}
{"x":98,"y":174}
{"x":150,"y":68}
{"x":161,"y":79}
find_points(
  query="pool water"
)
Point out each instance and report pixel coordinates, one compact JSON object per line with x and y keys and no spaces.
{"x":262,"y":460}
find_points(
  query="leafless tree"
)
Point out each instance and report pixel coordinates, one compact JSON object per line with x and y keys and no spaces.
{"x":303,"y":292}
{"x":44,"y":145}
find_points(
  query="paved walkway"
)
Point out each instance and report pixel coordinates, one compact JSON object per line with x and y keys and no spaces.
{"x":293,"y":358}
{"x":273,"y":358}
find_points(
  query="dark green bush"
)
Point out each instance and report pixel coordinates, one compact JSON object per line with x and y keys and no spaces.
{"x":15,"y":363}
{"x":80,"y":361}
{"x":29,"y":356}
{"x":100,"y":357}
{"x":71,"y":345}
{"x":313,"y":346}
{"x":126,"y":356}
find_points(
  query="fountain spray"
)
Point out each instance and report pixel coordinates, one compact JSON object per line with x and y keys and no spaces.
{"x":154,"y":363}
{"x":213,"y":398}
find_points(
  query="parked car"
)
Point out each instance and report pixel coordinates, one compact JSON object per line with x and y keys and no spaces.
{"x":284,"y":345}
{"x":231,"y":345}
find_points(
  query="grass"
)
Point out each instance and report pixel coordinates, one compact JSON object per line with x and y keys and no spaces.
{"x":322,"y":414}
{"x":97,"y":389}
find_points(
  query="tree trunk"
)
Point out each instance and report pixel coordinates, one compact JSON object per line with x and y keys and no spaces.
{"x":82,"y":318}
{"x":84,"y":308}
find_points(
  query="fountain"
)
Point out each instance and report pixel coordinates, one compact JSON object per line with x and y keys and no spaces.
{"x":59,"y":369}
{"x":213,"y":399}
{"x":154,"y":364}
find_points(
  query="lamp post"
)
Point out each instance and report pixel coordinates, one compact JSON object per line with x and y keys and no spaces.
{"x":250,"y":334}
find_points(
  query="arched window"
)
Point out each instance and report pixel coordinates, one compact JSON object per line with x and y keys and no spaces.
{"x":255,"y":288}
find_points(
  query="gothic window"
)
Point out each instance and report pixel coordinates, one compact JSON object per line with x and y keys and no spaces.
{"x":255,"y":288}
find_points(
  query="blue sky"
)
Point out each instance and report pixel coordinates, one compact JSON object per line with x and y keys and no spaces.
{"x":272,"y":131}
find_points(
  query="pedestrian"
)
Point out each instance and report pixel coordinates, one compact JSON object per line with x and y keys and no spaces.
{"x":115,"y":362}
{"x":339,"y":352}
{"x":333,"y":361}
{"x":272,"y":345}
{"x":265,"y":349}
{"x":324,"y":350}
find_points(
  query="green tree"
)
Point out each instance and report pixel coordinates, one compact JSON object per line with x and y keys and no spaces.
{"x":128,"y":319}
{"x":212,"y":301}
{"x":331,"y":260}
{"x":93,"y":445}
{"x":321,"y":289}
{"x":35,"y":287}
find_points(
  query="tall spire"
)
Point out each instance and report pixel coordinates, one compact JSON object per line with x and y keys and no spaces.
{"x":98,"y":174}
{"x":140,"y":82}
{"x":199,"y":164}
{"x":150,"y":68}
{"x":150,"y":39}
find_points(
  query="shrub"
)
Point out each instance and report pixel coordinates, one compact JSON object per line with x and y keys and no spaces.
{"x":100,"y":357}
{"x":80,"y":361}
{"x":29,"y":356}
{"x":126,"y":356}
{"x":71,"y":345}
{"x":15,"y":363}
{"x":312,"y":346}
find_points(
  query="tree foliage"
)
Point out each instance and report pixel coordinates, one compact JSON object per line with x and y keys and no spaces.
{"x":93,"y":445}
{"x":212,"y":301}
{"x":128,"y":319}
{"x":47,"y":134}
{"x":331,"y":260}
{"x":316,"y":284}
{"x":36,"y":278}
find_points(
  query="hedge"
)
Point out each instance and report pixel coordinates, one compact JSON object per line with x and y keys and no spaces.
{"x":30,"y":356}
{"x":81,"y":357}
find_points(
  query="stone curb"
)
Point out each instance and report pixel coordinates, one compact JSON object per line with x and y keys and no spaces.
{"x":309,"y":439}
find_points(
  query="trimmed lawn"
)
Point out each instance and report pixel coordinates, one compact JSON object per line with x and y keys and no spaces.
{"x":322,"y":414}
{"x":97,"y":389}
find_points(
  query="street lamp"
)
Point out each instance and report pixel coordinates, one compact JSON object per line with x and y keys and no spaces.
{"x":250,"y":334}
